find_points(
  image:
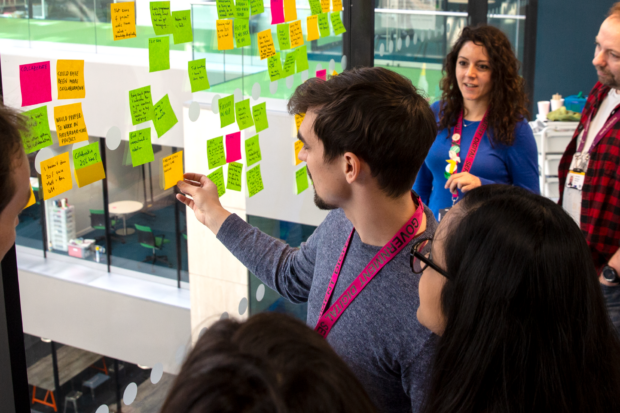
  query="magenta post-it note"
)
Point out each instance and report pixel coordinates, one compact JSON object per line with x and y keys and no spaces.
{"x":36,"y":83}
{"x":322,"y":74}
{"x":277,"y":11}
{"x":233,"y":147}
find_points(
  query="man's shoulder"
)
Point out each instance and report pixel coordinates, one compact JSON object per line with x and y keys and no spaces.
{"x":431,"y":223}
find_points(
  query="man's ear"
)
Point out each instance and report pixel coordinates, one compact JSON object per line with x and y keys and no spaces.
{"x":352,"y":167}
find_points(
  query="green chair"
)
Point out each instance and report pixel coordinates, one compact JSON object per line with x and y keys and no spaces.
{"x":148,"y":240}
{"x":97,"y":221}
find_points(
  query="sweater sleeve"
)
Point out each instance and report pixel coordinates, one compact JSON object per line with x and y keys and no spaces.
{"x":522,"y":159}
{"x":423,"y":185}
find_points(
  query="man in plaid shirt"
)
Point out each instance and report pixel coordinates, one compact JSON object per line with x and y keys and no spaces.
{"x":589,"y":171}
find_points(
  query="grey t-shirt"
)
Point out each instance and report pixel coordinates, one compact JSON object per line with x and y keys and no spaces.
{"x":379,"y":335}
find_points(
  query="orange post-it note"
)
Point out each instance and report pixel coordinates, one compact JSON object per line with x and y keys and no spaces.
{"x":89,"y":174}
{"x":325,"y":5}
{"x":225,"y":34}
{"x":123,"y":16}
{"x":265,"y":44}
{"x":312,"y":23}
{"x":290,"y":10}
{"x":56,"y":176}
{"x":298,"y":145}
{"x":70,"y":125}
{"x":299,"y":117}
{"x":297,"y":37}
{"x":32,"y":199}
{"x":337,"y":5}
{"x":70,"y":79}
{"x":173,"y":169}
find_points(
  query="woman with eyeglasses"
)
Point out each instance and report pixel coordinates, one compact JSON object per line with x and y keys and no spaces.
{"x":510,"y":288}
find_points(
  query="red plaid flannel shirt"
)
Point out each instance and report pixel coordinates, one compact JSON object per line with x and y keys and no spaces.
{"x":600,"y":205}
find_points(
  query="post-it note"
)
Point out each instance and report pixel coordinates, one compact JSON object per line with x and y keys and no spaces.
{"x":298,"y":146}
{"x":301,"y":179}
{"x":257,"y":7}
{"x":182,"y":21}
{"x":284,"y":37}
{"x":259,"y":113}
{"x":254,"y":181}
{"x":322,"y":74}
{"x":299,"y":117}
{"x":56,"y":176}
{"x":234,"y":176}
{"x":324,"y":25}
{"x":38,"y":135}
{"x":325,"y":6}
{"x":32,"y":199}
{"x":274,"y":67}
{"x":288,"y":68}
{"x":302,"y":59}
{"x":159,"y":53}
{"x":163,"y":116}
{"x":140,"y":147}
{"x":242,"y":9}
{"x":297,"y":37}
{"x":265,"y":44}
{"x":290,"y":10}
{"x":252,"y":151}
{"x":337,"y":24}
{"x":161,"y":18}
{"x":36,"y":83}
{"x":197,"y":70}
{"x":140,"y":105}
{"x":70,"y":125}
{"x":315,"y":7}
{"x":233,"y":147}
{"x":227,"y":110}
{"x":87,"y":165}
{"x":123,"y":18}
{"x":224,"y":34}
{"x":277,"y":11}
{"x":173,"y":169}
{"x":312,"y":25}
{"x":244,"y":114}
{"x":215,"y":152}
{"x":337,"y":5}
{"x":242,"y":32}
{"x":225,"y":9}
{"x":70,"y":79}
{"x":217,"y":177}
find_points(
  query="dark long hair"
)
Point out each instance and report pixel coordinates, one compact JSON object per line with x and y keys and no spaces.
{"x":508,"y":103}
{"x":526,"y":325}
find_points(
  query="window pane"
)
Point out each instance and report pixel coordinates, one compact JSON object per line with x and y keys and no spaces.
{"x":509,"y":17}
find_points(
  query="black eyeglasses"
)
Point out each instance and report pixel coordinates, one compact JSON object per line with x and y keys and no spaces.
{"x":419,"y":262}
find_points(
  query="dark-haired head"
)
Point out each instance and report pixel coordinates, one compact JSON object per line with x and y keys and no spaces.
{"x":271,"y":363}
{"x":523,"y":322}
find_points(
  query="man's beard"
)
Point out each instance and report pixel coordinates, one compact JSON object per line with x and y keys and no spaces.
{"x":318,"y":201}
{"x":608,"y":79}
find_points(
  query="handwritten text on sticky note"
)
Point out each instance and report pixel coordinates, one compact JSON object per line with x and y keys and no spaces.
{"x":70,"y":79}
{"x":225,"y":9}
{"x":173,"y":169}
{"x":161,"y":18}
{"x":252,"y":151}
{"x":259,"y":113}
{"x":226,"y":108}
{"x":70,"y":125}
{"x":38,"y":135}
{"x":140,"y":105}
{"x":274,"y":67}
{"x":242,"y":32}
{"x":197,"y":70}
{"x":215,"y":152}
{"x":163,"y":116}
{"x":217,"y":177}
{"x":123,"y":18}
{"x":182,"y":21}
{"x":140,"y":147}
{"x":254,"y":181}
{"x":87,"y":165}
{"x":224,"y":34}
{"x":297,"y":37}
{"x":244,"y":114}
{"x":56,"y":176}
{"x":159,"y":53}
{"x":298,"y":147}
{"x":312,"y":24}
{"x":235,"y":169}
{"x":299,"y":117}
{"x":265,"y":44}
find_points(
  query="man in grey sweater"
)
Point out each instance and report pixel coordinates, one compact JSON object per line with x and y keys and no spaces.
{"x":366,"y":133}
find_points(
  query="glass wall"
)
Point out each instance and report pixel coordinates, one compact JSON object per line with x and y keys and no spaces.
{"x":509,"y":17}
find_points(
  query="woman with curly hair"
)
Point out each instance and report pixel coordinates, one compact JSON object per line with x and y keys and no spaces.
{"x":481,"y":117}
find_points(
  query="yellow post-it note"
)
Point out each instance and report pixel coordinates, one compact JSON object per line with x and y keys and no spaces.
{"x":298,"y":145}
{"x":290,"y":10}
{"x":312,"y":23}
{"x":265,"y":44}
{"x":70,"y":125}
{"x":337,"y":5}
{"x":173,"y":169}
{"x":56,"y":176}
{"x":123,"y":17}
{"x":32,"y":199}
{"x":70,"y":79}
{"x":299,"y":117}
{"x":224,"y":34}
{"x":87,"y":165}
{"x":89,"y":174}
{"x":297,"y":37}
{"x":325,"y":5}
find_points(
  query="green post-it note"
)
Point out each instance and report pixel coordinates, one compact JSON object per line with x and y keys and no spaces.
{"x":252,"y":151}
{"x":244,"y":114}
{"x":323,"y":25}
{"x":197,"y":70}
{"x":254,"y":181}
{"x":241,"y":28}
{"x":337,"y":23}
{"x":159,"y":53}
{"x":140,"y":147}
{"x":234,"y":176}
{"x":284,"y":36}
{"x":215,"y":152}
{"x":315,"y":7}
{"x":225,"y":9}
{"x":38,"y":135}
{"x":259,"y":112}
{"x":163,"y":116}
{"x":302,"y":58}
{"x":301,"y":178}
{"x":86,"y":156}
{"x":257,"y":7}
{"x":227,"y":110}
{"x":274,"y":66}
{"x":217,"y":177}
{"x":288,"y":69}
{"x":182,"y":26}
{"x":242,"y":9}
{"x":140,"y":105}
{"x":161,"y":18}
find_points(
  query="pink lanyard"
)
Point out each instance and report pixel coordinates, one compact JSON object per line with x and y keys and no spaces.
{"x":328,"y":318}
{"x":611,"y":121}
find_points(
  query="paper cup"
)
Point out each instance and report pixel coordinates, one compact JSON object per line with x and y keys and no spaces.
{"x":556,"y":104}
{"x":543,"y":108}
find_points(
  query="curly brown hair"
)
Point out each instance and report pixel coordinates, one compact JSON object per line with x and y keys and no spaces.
{"x":508,"y":103}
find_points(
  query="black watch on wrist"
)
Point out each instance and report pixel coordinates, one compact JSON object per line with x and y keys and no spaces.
{"x":610,"y":274}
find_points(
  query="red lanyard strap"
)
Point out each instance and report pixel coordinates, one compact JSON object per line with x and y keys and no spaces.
{"x":609,"y":123}
{"x":475,"y":143}
{"x":328,"y":318}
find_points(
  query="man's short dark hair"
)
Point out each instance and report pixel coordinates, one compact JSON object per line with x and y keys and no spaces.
{"x":376,"y":114}
{"x":12,"y":124}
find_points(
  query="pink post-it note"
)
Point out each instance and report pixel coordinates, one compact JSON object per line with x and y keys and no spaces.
{"x":277,"y":11}
{"x":322,"y":74}
{"x":233,"y":147}
{"x":36,"y":83}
